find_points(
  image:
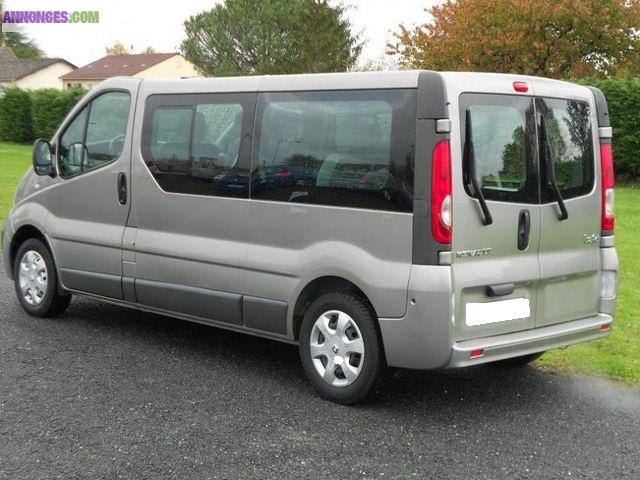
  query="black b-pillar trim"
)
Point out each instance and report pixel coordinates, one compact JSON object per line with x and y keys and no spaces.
{"x":431,"y":107}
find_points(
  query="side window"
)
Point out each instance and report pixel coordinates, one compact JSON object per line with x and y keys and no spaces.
{"x":96,"y":135}
{"x":106,"y":129}
{"x":502,"y":144}
{"x":350,"y":148}
{"x":568,"y":128}
{"x":192,"y":144}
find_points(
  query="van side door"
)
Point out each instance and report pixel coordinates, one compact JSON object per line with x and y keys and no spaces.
{"x":188,"y":231}
{"x":89,"y":205}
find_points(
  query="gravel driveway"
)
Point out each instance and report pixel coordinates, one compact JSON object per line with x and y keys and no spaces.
{"x":106,"y":392}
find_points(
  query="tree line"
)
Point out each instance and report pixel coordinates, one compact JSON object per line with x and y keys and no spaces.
{"x":551,"y":38}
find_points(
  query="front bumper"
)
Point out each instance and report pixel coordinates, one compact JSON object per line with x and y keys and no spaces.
{"x":518,"y":344}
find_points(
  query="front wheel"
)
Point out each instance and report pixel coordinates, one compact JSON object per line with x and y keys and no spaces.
{"x":36,"y":282}
{"x":340,"y":347}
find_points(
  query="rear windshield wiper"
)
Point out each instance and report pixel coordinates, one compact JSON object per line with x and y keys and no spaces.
{"x":551,"y":169}
{"x":471,"y":180}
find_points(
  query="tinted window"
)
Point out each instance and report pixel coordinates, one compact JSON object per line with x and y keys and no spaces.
{"x":106,"y":129}
{"x":351,"y":148}
{"x":570,"y":139}
{"x":502,"y":140}
{"x":192,"y":143}
{"x":88,"y":145}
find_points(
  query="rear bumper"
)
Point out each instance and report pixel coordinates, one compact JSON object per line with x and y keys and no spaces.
{"x":517,"y":344}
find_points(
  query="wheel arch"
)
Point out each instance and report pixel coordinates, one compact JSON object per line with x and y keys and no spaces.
{"x":24,"y":233}
{"x":320,"y":286}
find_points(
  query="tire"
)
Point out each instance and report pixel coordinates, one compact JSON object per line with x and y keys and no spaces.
{"x":519,"y":361}
{"x":349,"y":328}
{"x":36,"y":281}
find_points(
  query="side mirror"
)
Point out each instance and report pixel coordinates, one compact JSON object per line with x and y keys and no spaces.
{"x":42,"y":158}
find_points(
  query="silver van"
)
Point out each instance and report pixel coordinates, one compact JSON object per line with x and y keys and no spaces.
{"x":408,"y":219}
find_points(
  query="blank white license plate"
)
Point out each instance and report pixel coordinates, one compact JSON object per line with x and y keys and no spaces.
{"x":500,"y":311}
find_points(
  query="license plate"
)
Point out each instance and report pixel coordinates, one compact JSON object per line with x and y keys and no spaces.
{"x":500,"y":311}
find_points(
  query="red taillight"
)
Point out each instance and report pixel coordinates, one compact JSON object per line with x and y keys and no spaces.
{"x":605,"y":327}
{"x":284,"y":173}
{"x":521,"y":87}
{"x":606,"y":163}
{"x":441,"y":205}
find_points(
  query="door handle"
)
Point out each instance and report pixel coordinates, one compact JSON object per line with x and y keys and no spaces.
{"x":524,"y":229}
{"x":500,"y":290}
{"x":122,"y":188}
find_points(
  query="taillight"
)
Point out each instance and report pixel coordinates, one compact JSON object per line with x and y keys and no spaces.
{"x":606,"y":163}
{"x":441,"y":204}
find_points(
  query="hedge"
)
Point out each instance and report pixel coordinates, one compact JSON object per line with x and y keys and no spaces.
{"x":623,"y":98}
{"x":49,"y":107}
{"x":27,"y":115}
{"x":15,"y":116}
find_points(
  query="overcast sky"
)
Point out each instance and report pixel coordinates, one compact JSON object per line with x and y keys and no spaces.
{"x":143,"y":23}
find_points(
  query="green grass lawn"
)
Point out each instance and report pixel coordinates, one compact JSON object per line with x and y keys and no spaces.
{"x":617,"y":357}
{"x":15,"y":160}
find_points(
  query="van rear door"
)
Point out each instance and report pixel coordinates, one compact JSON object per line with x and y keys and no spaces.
{"x":496,"y":267}
{"x":570,"y":161}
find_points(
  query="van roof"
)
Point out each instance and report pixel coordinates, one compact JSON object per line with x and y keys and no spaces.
{"x":316,"y":81}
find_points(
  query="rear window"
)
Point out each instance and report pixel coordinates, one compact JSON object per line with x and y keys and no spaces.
{"x":568,"y":124}
{"x":503,"y":144}
{"x":350,"y":148}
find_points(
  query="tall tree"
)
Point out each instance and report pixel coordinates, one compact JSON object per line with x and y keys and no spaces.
{"x":251,"y":37}
{"x":22,"y":46}
{"x":555,"y":38}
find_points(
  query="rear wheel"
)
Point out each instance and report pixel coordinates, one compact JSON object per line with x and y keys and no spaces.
{"x":519,"y":361}
{"x":340,"y":347}
{"x":36,"y":282}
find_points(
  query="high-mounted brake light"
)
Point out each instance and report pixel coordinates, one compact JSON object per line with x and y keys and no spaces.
{"x":521,"y":87}
{"x":606,"y":164}
{"x":441,"y":203}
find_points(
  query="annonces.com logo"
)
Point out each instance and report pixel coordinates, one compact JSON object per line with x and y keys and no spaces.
{"x":13,"y":19}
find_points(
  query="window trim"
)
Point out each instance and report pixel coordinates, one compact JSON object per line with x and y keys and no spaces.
{"x":67,"y":123}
